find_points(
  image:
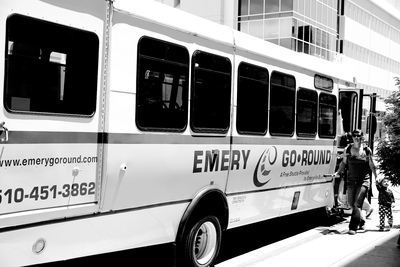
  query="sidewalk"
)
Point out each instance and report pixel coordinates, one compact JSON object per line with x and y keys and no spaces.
{"x":372,"y":248}
{"x":331,"y":246}
{"x":384,"y":250}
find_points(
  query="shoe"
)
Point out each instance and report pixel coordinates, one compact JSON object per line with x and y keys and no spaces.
{"x":352,"y":232}
{"x":390,"y":225}
{"x":361,"y":229}
{"x":369,"y":212}
{"x":383,"y":230}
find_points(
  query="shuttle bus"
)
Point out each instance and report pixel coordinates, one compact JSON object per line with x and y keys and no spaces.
{"x":127,"y":124}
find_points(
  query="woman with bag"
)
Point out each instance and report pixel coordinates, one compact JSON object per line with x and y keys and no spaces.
{"x":358,"y":160}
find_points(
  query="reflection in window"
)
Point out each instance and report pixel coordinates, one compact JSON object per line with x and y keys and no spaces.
{"x":348,"y":108}
{"x":271,"y":6}
{"x":256,"y":28}
{"x":285,"y":27}
{"x":244,"y":7}
{"x":50,"y":68}
{"x":282,"y":99}
{"x":322,"y":82}
{"x":286,"y":5}
{"x":306,"y":123}
{"x":256,"y":7}
{"x":288,"y":43}
{"x":252,"y":99}
{"x":271,"y":29}
{"x":244,"y":27}
{"x":162,"y":91}
{"x":327,"y":115}
{"x":211,"y":93}
{"x":280,"y":23}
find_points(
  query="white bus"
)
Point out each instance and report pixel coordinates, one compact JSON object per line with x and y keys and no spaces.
{"x":127,"y":124}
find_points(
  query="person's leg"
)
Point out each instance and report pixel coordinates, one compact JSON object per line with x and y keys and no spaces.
{"x":360,"y":200}
{"x":356,"y":220}
{"x":350,"y":201}
{"x":389,"y":215}
{"x":381,"y":217}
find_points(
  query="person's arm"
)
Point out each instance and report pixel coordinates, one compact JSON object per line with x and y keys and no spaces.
{"x":342,"y":165}
{"x":372,"y":165}
{"x":392,"y":197}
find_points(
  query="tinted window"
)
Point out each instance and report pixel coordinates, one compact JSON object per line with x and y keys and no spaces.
{"x":50,"y":68}
{"x":162,"y":91}
{"x":348,"y":106}
{"x":327,"y":115}
{"x":252,"y":99}
{"x":282,"y":100}
{"x":211,"y":93}
{"x":306,"y":124}
{"x":323,"y":83}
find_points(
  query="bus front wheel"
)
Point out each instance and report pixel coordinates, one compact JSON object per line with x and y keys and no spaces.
{"x":202,"y":242}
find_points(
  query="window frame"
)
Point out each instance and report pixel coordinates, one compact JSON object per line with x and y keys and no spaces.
{"x":251,"y":113}
{"x":323,"y":83}
{"x":334,"y":115}
{"x":64,"y":86}
{"x":211,"y":74}
{"x":154,"y":65}
{"x":292,"y":93}
{"x":313,"y":100}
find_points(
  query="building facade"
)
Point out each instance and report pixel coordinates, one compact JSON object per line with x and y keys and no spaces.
{"x":364,"y":34}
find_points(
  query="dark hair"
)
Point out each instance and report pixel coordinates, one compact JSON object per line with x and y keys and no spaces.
{"x":357,"y":133}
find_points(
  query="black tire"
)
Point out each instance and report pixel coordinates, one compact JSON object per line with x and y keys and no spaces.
{"x":201,"y":243}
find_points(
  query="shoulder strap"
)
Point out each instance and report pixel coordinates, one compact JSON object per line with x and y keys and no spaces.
{"x":347,"y":154}
{"x":348,"y":149}
{"x":367,"y":150}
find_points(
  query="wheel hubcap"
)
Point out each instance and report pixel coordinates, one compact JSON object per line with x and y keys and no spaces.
{"x":205,"y":243}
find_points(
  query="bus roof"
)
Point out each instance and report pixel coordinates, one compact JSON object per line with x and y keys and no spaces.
{"x":176,"y":19}
{"x":185,"y":22}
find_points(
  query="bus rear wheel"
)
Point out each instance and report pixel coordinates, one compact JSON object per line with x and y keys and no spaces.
{"x":202,"y":242}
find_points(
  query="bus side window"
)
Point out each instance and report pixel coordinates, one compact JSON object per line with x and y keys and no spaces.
{"x":282,"y":100}
{"x":50,"y":68}
{"x":306,"y":123}
{"x":327,"y":115}
{"x":252,"y":99}
{"x":211,"y":93}
{"x":162,"y":89}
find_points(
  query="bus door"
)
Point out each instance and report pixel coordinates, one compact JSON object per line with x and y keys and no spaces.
{"x":349,"y":119}
{"x":350,"y":111}
{"x":50,"y":129}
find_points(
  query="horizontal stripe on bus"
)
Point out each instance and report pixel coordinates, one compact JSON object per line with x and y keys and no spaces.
{"x":36,"y":137}
{"x":276,"y":188}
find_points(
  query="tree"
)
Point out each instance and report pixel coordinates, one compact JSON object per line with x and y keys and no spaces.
{"x":388,"y":149}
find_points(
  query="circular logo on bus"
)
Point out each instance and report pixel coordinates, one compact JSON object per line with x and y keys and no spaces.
{"x":263,"y":167}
